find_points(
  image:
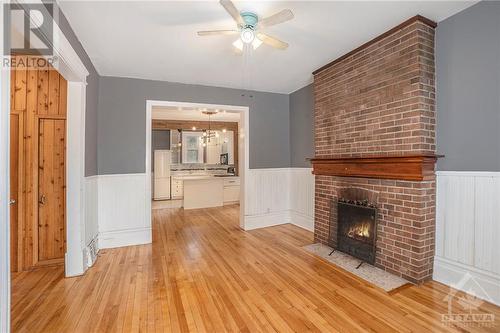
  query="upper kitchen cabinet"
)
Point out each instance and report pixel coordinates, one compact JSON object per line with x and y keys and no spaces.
{"x":175,"y":146}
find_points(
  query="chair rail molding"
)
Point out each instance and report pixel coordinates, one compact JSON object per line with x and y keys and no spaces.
{"x":468,"y":229}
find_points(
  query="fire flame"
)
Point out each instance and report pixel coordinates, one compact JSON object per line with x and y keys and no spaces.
{"x":359,"y":230}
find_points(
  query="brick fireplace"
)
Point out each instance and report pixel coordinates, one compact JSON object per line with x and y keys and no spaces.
{"x":374,"y":119}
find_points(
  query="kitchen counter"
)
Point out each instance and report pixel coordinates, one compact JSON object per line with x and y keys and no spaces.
{"x":192,"y":177}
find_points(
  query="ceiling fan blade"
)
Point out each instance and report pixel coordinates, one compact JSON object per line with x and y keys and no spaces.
{"x":274,"y":42}
{"x":280,"y":17}
{"x":217,"y":32}
{"x":232,"y":10}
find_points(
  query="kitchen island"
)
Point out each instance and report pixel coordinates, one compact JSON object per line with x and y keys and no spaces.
{"x":203,"y":191}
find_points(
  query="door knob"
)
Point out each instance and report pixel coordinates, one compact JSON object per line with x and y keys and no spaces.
{"x":42,"y":200}
{"x":12,"y":201}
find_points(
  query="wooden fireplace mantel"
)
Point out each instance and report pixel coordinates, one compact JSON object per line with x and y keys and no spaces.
{"x":410,"y":167}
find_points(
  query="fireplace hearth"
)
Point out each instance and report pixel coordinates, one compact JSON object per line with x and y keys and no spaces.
{"x":357,"y":229}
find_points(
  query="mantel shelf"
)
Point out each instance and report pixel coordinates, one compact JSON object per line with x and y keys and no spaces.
{"x":410,"y":167}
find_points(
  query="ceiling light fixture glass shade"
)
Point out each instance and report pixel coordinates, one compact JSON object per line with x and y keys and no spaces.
{"x":256,"y":43}
{"x":238,"y":44}
{"x":247,"y":35}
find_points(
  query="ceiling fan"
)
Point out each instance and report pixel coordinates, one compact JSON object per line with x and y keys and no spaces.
{"x":249,"y":27}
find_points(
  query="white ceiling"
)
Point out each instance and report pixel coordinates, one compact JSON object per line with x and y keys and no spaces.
{"x":157,"y":39}
{"x":188,"y":113}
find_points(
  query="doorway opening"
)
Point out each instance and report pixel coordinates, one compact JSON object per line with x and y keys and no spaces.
{"x":196,"y":155}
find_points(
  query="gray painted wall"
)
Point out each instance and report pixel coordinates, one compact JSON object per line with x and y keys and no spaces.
{"x":468,"y":89}
{"x":92,"y":94}
{"x":160,"y":139}
{"x":281,"y":126}
{"x":301,"y":127}
{"x":122,"y":121}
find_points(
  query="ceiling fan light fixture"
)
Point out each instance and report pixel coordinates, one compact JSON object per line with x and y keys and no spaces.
{"x":247,"y":35}
{"x":249,"y":26}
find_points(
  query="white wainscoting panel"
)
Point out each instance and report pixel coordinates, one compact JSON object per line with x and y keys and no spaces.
{"x":468,"y":229}
{"x":302,"y":197}
{"x":267,"y":197}
{"x":279,"y":196}
{"x":122,"y":210}
{"x":267,"y":191}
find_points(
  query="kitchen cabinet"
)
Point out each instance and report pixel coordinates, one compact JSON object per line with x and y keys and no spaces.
{"x":177,"y":188}
{"x":231,"y":190}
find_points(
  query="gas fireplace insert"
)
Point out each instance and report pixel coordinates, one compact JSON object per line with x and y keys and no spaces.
{"x":357,"y":229}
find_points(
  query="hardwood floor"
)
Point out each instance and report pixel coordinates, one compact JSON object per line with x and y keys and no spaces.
{"x":203,"y":274}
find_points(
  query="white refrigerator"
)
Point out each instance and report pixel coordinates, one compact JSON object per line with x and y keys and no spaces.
{"x":161,"y":186}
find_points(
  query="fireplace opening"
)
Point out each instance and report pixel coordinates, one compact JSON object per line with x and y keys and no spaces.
{"x":356,"y":231}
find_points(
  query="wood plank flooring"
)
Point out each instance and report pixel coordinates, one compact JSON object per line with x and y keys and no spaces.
{"x":203,"y":274}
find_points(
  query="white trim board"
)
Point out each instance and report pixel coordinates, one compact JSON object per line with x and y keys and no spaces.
{"x":266,"y":220}
{"x":126,"y":237}
{"x":91,"y":220}
{"x":75,"y":263}
{"x":4,"y":190}
{"x":278,"y":218}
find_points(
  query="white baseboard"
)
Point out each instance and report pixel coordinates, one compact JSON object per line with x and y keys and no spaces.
{"x":128,"y":237}
{"x":482,"y":284}
{"x":301,"y":220}
{"x":266,"y":220}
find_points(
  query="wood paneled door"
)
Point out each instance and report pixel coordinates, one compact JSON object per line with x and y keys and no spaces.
{"x":38,"y":167}
{"x":51,"y":189}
